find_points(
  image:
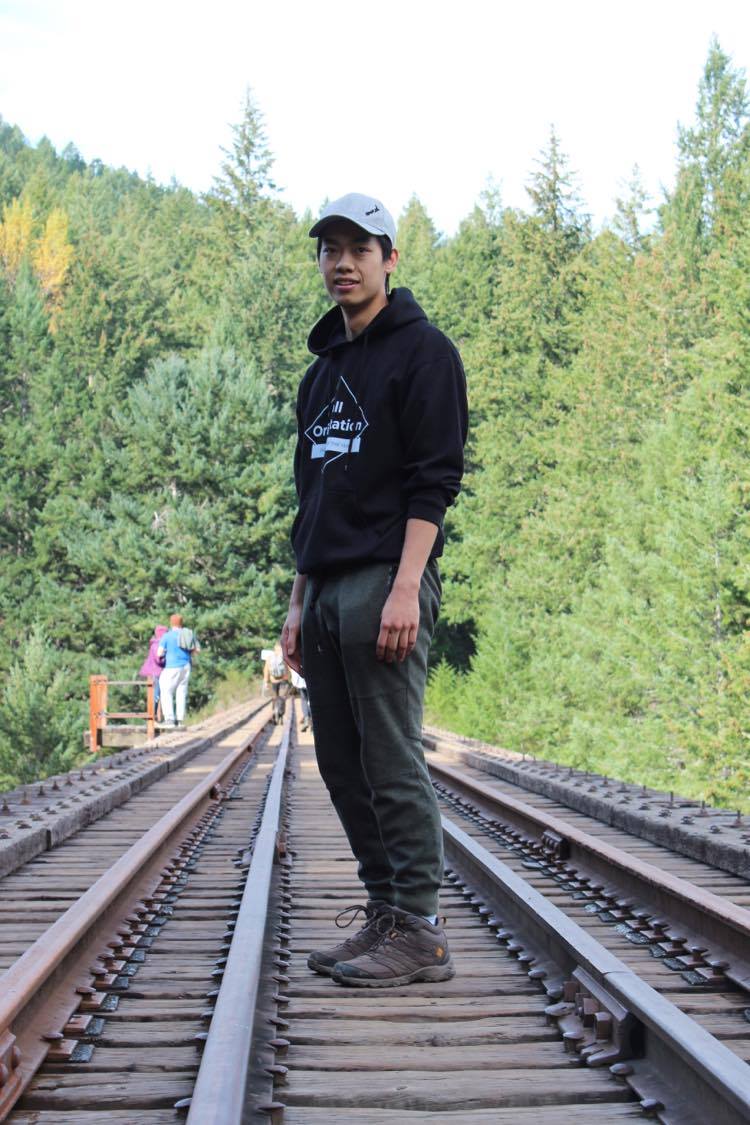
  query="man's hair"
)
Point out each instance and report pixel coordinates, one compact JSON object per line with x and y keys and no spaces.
{"x":175,"y":620}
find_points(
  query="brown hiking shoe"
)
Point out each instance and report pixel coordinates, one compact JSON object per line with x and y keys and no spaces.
{"x":408,"y":949}
{"x":323,"y":960}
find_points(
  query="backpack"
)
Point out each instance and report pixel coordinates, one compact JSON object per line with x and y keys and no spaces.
{"x":278,"y":667}
{"x":186,"y":639}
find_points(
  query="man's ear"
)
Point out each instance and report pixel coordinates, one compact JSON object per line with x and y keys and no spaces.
{"x":392,"y":261}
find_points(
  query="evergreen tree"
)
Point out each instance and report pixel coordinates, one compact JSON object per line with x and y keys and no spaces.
{"x":195,"y":518}
{"x":41,"y":715}
{"x":710,"y":153}
{"x":272,"y":297}
{"x":417,"y":241}
{"x":244,"y":185}
{"x":632,"y":211}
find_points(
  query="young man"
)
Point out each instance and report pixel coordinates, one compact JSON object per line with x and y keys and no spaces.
{"x":382,"y":418}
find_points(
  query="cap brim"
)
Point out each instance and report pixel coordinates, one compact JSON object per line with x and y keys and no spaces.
{"x":321,"y":225}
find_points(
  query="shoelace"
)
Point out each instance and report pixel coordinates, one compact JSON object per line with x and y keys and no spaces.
{"x":390,"y":927}
{"x":355,"y":911}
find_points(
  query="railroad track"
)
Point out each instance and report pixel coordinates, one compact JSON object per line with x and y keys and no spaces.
{"x":647,"y":883}
{"x":683,"y":927}
{"x":77,"y":920}
{"x":718,"y":837}
{"x":204,"y":1006}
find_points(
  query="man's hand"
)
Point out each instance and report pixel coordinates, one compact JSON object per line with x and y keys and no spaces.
{"x":399,"y":623}
{"x":291,"y":634}
{"x":291,"y":638}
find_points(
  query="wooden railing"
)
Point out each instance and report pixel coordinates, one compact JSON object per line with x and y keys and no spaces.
{"x":99,"y":716}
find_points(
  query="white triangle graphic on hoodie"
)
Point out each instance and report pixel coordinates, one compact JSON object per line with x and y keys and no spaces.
{"x":339,"y":426}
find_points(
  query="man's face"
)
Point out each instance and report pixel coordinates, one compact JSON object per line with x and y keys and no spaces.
{"x":352,"y":265}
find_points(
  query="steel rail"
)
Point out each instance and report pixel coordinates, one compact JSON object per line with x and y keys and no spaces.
{"x":219,"y":1094}
{"x":704,"y":1080}
{"x":709,"y":915}
{"x":125,"y":781}
{"x":38,"y":992}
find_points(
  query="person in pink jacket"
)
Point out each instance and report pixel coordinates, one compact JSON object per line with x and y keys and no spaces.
{"x":152,"y":667}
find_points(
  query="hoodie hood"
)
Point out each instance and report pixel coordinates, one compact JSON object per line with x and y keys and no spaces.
{"x":330,"y":333}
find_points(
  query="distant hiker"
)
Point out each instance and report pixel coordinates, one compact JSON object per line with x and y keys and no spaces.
{"x":276,"y":679}
{"x":152,"y":666}
{"x":300,"y":687}
{"x":382,"y":418}
{"x":178,"y":647}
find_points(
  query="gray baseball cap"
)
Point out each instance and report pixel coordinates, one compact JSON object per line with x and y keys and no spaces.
{"x":362,"y":210}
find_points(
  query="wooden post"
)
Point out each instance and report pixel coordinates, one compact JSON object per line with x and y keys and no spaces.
{"x":150,"y":729}
{"x":103,"y":700}
{"x":93,"y":719}
{"x":97,"y":709}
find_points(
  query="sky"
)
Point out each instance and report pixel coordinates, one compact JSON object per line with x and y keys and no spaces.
{"x":389,"y":97}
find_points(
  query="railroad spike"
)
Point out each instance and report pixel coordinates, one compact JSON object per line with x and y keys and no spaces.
{"x":279,"y":1046}
{"x":275,"y":1111}
{"x":278,"y":1072}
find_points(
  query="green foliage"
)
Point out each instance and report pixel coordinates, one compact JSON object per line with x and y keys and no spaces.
{"x":444,"y":696}
{"x":244,"y":183}
{"x":237,"y":686}
{"x":596,"y":583}
{"x":41,"y":719}
{"x":194,"y":518}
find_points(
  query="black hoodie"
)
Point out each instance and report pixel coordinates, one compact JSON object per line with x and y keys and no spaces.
{"x":381,"y":426}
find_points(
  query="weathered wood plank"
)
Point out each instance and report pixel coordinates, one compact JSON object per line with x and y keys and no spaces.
{"x":95,"y":1117}
{"x":134,"y":1060}
{"x":457,"y":1089}
{"x":597,"y":1114}
{"x":84,"y":1091}
{"x":459,"y":986}
{"x":407,"y":1006}
{"x":426,"y":1058}
{"x":509,"y":1029}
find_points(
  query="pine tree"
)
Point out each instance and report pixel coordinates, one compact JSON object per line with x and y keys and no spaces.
{"x":244,"y":184}
{"x":632,"y":212}
{"x":417,"y":242}
{"x":272,"y":297}
{"x":195,"y":517}
{"x":710,"y":153}
{"x":40,"y":717}
{"x":530,"y":339}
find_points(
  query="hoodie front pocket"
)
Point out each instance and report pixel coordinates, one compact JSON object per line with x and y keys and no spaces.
{"x":343,"y":508}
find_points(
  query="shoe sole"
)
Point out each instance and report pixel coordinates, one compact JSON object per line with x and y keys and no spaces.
{"x":319,"y":967}
{"x":429,"y":974}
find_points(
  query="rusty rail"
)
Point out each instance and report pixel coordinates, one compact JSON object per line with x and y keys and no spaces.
{"x":219,"y":1094}
{"x":99,"y":715}
{"x":725,"y":924}
{"x":39,"y":993}
{"x":708,"y":1081}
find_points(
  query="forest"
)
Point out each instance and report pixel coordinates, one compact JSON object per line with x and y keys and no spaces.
{"x":597,"y":570}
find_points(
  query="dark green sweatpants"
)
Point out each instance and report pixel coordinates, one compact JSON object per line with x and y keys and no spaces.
{"x":367,"y":721}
